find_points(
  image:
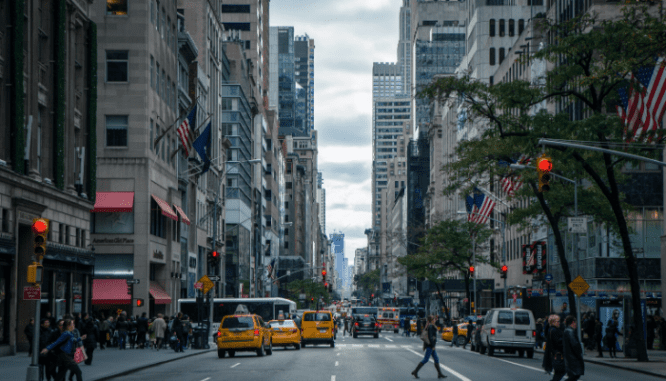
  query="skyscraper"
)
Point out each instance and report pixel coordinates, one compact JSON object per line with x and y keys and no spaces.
{"x":304,"y":74}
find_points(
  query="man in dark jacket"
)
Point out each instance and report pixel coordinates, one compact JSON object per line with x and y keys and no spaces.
{"x":454,"y":341}
{"x":573,"y":353}
{"x":92,"y":333}
{"x":141,"y":330}
{"x":177,"y":329}
{"x":51,"y":360}
{"x":44,"y":336}
{"x":29,"y":331}
{"x":470,"y":332}
{"x":598,"y":336}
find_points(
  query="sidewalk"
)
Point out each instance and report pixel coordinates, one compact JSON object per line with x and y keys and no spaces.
{"x":655,"y":367}
{"x":107,"y":363}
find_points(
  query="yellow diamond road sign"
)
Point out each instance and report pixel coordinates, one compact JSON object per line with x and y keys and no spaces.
{"x":207,"y":284}
{"x":579,"y":285}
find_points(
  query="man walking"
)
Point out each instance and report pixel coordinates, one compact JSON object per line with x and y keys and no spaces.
{"x":346,"y":326}
{"x":30,"y":333}
{"x":159,"y":325}
{"x":573,"y":353}
{"x":470,"y":330}
{"x":454,"y":341}
{"x":141,"y":330}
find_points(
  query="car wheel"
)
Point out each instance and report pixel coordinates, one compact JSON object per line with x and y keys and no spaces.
{"x":530,"y":353}
{"x":232,"y":353}
{"x":332,"y":344}
{"x":521,"y":353}
{"x":269,"y":351}
{"x":297,"y":346}
{"x":491,"y":350}
{"x":221,"y":353}
{"x":376,"y":335}
{"x":482,"y":349}
{"x":396,"y":331}
{"x":261,"y":351}
{"x":354,"y":335}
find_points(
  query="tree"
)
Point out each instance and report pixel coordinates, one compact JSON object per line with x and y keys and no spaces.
{"x":368,"y":282}
{"x":591,"y":60}
{"x":310,"y":289}
{"x":447,"y":251}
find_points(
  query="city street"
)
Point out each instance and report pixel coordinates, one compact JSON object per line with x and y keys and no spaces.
{"x":391,"y":357}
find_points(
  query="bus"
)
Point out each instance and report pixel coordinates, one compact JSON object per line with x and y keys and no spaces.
{"x":267,"y":308}
{"x":364,"y":310}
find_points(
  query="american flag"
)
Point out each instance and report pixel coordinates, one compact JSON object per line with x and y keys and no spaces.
{"x":642,"y":105}
{"x":485,"y":205}
{"x":511,"y":183}
{"x":471,"y":209}
{"x":185,"y":130}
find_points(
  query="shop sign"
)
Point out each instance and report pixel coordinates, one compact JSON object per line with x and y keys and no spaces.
{"x":112,"y":240}
{"x":158,"y":254}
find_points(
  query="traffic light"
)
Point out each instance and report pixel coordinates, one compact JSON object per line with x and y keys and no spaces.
{"x":505,"y":269}
{"x":129,"y":288}
{"x":544,"y":166}
{"x":35,"y":271}
{"x":471,"y":270}
{"x":40,"y":230}
{"x":323,"y":276}
{"x":213,"y":258}
{"x":139,"y":303}
{"x":372,"y":295}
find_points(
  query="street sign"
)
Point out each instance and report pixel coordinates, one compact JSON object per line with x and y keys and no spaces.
{"x":577,"y":225}
{"x":214,"y":278}
{"x":207,"y":284}
{"x":198,"y":286}
{"x":579,"y":286}
{"x":133,"y":281}
{"x":548,"y":278}
{"x":32,"y":293}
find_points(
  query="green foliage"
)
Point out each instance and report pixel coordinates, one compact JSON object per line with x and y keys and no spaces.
{"x":310,"y":289}
{"x":446,"y":249}
{"x":368,"y":281}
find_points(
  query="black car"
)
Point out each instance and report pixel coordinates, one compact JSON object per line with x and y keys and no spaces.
{"x":365,"y":325}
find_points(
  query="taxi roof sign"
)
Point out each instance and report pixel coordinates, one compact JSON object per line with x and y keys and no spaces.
{"x":241,"y":309}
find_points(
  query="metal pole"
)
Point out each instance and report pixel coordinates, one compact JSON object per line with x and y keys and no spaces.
{"x":33,"y":369}
{"x":474,"y":275}
{"x":598,"y":149}
{"x":504,"y":292}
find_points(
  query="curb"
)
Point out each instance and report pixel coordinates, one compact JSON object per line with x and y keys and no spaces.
{"x":610,"y":365}
{"x":142,"y":367}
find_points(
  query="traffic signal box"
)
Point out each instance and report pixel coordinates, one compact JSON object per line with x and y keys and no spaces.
{"x":40,"y":231}
{"x":471,"y":270}
{"x":214,"y":258}
{"x":505,"y":270}
{"x":544,"y":166}
{"x":138,"y":303}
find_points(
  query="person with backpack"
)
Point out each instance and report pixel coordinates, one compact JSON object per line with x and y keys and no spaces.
{"x":65,"y":346}
{"x":610,"y":339}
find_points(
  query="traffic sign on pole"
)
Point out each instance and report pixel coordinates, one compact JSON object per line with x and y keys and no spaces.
{"x":198,"y":286}
{"x":548,"y":278}
{"x":207,"y":284}
{"x":577,"y":225}
{"x":579,"y":286}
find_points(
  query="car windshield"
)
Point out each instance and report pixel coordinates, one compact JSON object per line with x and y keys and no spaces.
{"x":238,"y":322}
{"x":282,"y":324}
{"x":317,"y":317}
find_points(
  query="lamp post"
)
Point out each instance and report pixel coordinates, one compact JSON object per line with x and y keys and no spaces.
{"x":474,"y":252}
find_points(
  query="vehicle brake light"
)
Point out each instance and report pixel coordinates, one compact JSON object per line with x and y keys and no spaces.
{"x":356,"y":324}
{"x":492,"y":331}
{"x":219,"y":334}
{"x":256,"y":332}
{"x":395,"y":326}
{"x":533,"y":333}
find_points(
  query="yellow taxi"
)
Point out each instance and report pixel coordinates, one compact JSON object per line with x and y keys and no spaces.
{"x":412,"y":325}
{"x":317,"y":328}
{"x":244,"y":333}
{"x":447,"y":333}
{"x":285,"y":332}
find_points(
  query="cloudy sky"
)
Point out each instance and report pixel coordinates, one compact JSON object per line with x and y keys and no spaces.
{"x":349,"y":36}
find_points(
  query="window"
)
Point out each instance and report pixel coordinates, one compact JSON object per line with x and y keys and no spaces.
{"x":233,"y":8}
{"x":157,"y":220}
{"x":152,"y":71}
{"x":243,"y":26}
{"x":157,"y":79}
{"x":152,"y":134}
{"x":505,"y":317}
{"x":501,"y":28}
{"x":157,"y":17}
{"x":492,"y":82}
{"x":522,"y":318}
{"x":501,"y":55}
{"x":116,"y":7}
{"x":117,"y":66}
{"x":152,"y":11}
{"x":286,"y":245}
{"x":492,"y":28}
{"x":168,"y":31}
{"x":163,"y":84}
{"x":492,"y":56}
{"x":512,"y":26}
{"x":116,"y":130}
{"x":521,"y":26}
{"x":286,"y":231}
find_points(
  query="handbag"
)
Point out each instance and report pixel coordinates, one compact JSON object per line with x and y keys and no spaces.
{"x":80,"y":355}
{"x":424,"y":336}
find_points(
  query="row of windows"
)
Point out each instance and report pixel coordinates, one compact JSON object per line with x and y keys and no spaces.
{"x":162,"y":83}
{"x":162,"y":22}
{"x":502,"y":27}
{"x":502,"y":54}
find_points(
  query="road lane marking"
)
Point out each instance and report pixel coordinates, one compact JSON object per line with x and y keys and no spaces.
{"x":206,"y":379}
{"x":524,"y":366}
{"x":332,"y":377}
{"x":357,"y":345}
{"x":338,"y":353}
{"x":388,"y":339}
{"x":391,"y":346}
{"x":373,"y":345}
{"x":336,"y":363}
{"x":342,"y":345}
{"x":235,"y":365}
{"x":453,"y":372}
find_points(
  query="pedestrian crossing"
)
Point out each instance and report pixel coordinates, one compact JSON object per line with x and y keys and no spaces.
{"x":374,"y":346}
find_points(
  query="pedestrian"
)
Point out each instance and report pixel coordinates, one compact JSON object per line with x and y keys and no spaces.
{"x":65,"y":346}
{"x":563,"y":314}
{"x":553,"y":358}
{"x":91,"y":332}
{"x":419,"y":326}
{"x":539,"y":337}
{"x":29,"y":331}
{"x":598,"y":336}
{"x":346,"y":326}
{"x":470,"y":332}
{"x":187,"y":330}
{"x":122,"y":327}
{"x":142,"y":330}
{"x":454,"y":341}
{"x":573,"y":352}
{"x":177,"y":330}
{"x":662,"y":331}
{"x":44,"y":336}
{"x":131,"y":334}
{"x":52,"y":320}
{"x":159,"y":325}
{"x":429,"y":349}
{"x":405,"y":327}
{"x":650,"y":325}
{"x":610,"y":340}
{"x":51,"y":360}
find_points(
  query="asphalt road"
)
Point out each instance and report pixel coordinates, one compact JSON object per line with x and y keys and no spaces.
{"x":391,"y":357}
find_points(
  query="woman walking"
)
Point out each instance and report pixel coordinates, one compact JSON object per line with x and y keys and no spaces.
{"x":553,"y":359}
{"x":610,"y":339}
{"x":67,"y":344}
{"x":429,"y":348}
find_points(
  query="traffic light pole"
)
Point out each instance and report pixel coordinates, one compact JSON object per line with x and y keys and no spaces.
{"x":33,"y":369}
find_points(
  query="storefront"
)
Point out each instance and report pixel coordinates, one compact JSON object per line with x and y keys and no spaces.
{"x":7,"y":252}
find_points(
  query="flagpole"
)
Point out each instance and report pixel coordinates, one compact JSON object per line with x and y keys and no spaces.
{"x":174,"y":123}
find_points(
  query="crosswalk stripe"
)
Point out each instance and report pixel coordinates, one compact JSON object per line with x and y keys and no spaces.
{"x":373,"y":345}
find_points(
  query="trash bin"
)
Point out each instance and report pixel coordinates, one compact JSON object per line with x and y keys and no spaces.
{"x":199,"y":334}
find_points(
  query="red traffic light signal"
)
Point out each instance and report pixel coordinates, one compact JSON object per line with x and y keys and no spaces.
{"x":471,"y":269}
{"x":215,"y":255}
{"x":326,"y":284}
{"x":40,"y":226}
{"x":323,"y":272}
{"x":545,"y":164}
{"x":505,"y":269}
{"x":139,"y":302}
{"x":40,"y":230}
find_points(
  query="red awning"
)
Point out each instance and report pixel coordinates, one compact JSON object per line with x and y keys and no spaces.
{"x":113,"y":202}
{"x":110,"y":291}
{"x":182,"y":214}
{"x":166,"y":209}
{"x":159,"y":294}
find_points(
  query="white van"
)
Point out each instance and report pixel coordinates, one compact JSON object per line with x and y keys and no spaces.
{"x":510,"y":329}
